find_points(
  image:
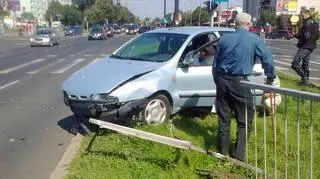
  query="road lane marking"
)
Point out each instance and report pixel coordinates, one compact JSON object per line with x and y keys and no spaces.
{"x":75,"y":62}
{"x":87,"y":55}
{"x":22,"y":66}
{"x":95,"y":60}
{"x":46,"y":66}
{"x":9,"y":84}
{"x":52,"y":56}
{"x":103,"y":55}
{"x":282,"y":68}
{"x":314,"y":78}
{"x":289,"y":64}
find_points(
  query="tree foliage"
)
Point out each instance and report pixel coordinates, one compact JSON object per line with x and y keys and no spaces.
{"x":316,"y":15}
{"x":68,"y":15}
{"x":104,"y":10}
{"x":27,"y":15}
{"x":267,"y":16}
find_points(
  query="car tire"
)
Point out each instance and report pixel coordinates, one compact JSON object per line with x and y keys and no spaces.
{"x":51,"y":44}
{"x":157,"y":110}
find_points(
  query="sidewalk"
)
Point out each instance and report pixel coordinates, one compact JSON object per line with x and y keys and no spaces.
{"x":16,"y":36}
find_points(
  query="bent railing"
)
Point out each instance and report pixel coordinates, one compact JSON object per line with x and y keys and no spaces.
{"x":286,"y":147}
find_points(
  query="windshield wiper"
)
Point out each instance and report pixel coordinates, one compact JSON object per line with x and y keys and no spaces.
{"x":118,"y":56}
{"x":137,"y":58}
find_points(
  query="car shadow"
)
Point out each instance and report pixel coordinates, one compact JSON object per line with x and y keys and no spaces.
{"x":71,"y":125}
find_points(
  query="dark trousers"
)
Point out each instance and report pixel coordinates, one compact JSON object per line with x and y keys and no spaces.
{"x":232,"y":98}
{"x":300,"y":63}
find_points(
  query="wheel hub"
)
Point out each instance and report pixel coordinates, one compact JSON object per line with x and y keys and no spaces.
{"x":155,"y":111}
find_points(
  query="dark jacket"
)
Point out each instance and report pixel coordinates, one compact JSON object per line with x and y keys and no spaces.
{"x":308,"y":34}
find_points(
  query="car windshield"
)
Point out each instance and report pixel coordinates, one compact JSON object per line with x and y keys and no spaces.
{"x":155,"y":47}
{"x":43,"y":32}
{"x":96,"y":30}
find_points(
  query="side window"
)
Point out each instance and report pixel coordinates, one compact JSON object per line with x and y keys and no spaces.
{"x":206,"y":55}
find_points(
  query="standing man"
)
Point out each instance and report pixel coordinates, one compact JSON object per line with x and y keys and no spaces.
{"x":234,"y":61}
{"x":308,"y":36}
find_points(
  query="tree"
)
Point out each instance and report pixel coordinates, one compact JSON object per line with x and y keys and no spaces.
{"x":4,"y":13}
{"x":204,"y":15}
{"x":70,"y":15}
{"x":268,"y":17}
{"x":54,"y":11}
{"x":27,"y":15}
{"x":106,"y":10}
{"x":316,"y":15}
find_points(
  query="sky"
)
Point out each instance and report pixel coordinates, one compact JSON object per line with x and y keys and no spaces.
{"x":154,"y":8}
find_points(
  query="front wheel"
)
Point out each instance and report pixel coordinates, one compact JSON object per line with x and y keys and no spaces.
{"x":157,"y":110}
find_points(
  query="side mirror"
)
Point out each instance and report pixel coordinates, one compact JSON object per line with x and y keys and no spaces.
{"x":188,"y":59}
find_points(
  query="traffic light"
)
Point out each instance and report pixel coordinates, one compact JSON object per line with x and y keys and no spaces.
{"x":211,"y":5}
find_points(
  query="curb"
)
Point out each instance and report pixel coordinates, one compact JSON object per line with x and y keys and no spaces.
{"x":60,"y":171}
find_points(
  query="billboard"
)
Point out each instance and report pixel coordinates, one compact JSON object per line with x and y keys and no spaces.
{"x":287,"y":5}
{"x":14,"y":5}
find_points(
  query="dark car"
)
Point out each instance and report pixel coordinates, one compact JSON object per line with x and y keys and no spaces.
{"x":132,"y":30}
{"x":144,"y":29}
{"x":73,"y":31}
{"x":282,"y":34}
{"x":117,"y":30}
{"x":97,"y":33}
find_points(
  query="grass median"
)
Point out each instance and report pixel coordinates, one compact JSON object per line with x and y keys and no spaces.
{"x":112,"y":155}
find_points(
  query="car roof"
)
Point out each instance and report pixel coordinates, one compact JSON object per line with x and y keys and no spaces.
{"x":191,"y":30}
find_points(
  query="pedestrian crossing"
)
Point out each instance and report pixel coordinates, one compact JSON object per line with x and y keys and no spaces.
{"x":283,"y":63}
{"x":52,"y":64}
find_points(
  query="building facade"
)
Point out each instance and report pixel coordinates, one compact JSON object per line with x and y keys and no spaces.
{"x":39,"y":7}
{"x":289,"y":7}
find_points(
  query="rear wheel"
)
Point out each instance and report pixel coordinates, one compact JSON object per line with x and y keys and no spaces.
{"x":157,"y":110}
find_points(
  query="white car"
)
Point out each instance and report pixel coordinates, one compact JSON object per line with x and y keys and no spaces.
{"x":151,"y":77}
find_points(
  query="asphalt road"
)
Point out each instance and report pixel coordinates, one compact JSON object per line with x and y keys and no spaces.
{"x":34,"y":122}
{"x":284,"y":51}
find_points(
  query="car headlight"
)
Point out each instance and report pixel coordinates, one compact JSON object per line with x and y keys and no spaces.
{"x":104,"y":98}
{"x":127,"y":30}
{"x":31,"y":39}
{"x":66,"y":98}
{"x":136,"y":30}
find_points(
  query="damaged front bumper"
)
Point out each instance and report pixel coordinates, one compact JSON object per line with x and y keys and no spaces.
{"x":106,"y":110}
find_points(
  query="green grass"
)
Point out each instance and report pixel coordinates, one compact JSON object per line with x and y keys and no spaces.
{"x":112,"y":155}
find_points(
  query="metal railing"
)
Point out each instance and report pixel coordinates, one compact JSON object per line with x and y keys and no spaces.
{"x":287,"y":149}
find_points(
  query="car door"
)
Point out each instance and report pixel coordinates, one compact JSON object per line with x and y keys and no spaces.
{"x":194,"y":83}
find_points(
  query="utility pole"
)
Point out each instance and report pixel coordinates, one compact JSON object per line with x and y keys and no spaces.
{"x":164,"y":8}
{"x":219,"y":15}
{"x":200,"y":12}
{"x":176,"y":11}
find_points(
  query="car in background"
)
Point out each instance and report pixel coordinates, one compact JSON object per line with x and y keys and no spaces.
{"x":144,"y":29}
{"x":109,"y":31}
{"x":45,"y":37}
{"x":73,"y":31}
{"x":282,"y":34}
{"x":132,"y":30}
{"x":97,"y":33}
{"x":117,"y":29}
{"x":149,"y":78}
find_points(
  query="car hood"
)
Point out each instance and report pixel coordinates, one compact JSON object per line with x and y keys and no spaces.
{"x":105,"y":75}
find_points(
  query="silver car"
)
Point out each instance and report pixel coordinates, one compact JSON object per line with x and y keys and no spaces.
{"x":45,"y":37}
{"x":151,"y":77}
